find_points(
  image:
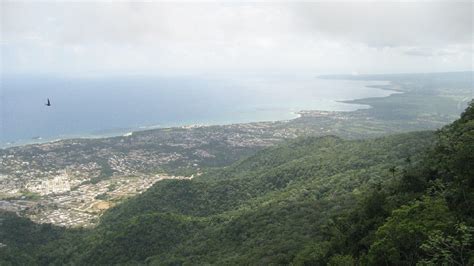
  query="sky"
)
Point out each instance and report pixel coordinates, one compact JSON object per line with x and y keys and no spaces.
{"x":81,"y":38}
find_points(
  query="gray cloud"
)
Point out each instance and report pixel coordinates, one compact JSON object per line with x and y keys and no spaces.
{"x":418,"y":51}
{"x":391,"y":23}
{"x":193,"y":37}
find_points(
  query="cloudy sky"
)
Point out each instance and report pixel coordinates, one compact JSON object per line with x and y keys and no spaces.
{"x":103,"y":38}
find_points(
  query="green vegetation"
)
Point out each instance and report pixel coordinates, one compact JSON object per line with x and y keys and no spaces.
{"x":102,"y":196}
{"x":423,"y":102}
{"x":404,"y":199}
{"x":105,"y":172}
{"x":24,"y":194}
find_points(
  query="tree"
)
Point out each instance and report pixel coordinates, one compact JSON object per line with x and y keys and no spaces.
{"x":450,"y":249}
{"x":341,"y":260}
{"x":398,"y":241}
{"x":392,"y":170}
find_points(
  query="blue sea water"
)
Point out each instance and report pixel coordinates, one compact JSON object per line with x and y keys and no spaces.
{"x":91,"y":107}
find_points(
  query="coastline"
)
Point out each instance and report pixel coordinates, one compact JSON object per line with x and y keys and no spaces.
{"x":361,"y":101}
{"x":126,"y":132}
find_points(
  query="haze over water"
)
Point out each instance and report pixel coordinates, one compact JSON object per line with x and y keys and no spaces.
{"x":111,"y":106}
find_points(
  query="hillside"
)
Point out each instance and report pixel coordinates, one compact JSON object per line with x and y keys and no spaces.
{"x":102,"y":172}
{"x":395,"y":200}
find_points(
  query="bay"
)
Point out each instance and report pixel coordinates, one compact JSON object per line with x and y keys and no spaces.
{"x":97,"y":107}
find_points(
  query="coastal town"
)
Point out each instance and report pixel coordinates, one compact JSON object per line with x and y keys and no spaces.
{"x":72,"y":182}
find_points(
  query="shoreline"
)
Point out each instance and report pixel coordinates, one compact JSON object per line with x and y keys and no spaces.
{"x":130,"y":131}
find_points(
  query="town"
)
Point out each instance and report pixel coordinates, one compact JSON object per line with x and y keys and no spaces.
{"x":72,"y":182}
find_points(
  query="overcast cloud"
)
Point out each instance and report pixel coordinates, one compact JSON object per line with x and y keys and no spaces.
{"x":84,"y":38}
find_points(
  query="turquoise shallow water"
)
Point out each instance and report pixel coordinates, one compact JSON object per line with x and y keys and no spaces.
{"x":110,"y":106}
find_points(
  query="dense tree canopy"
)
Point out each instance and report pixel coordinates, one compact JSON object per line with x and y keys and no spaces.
{"x":396,"y":200}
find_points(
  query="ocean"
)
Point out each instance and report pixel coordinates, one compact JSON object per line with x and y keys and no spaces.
{"x":97,"y":107}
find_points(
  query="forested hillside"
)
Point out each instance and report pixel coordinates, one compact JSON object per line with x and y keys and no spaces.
{"x":397,"y":200}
